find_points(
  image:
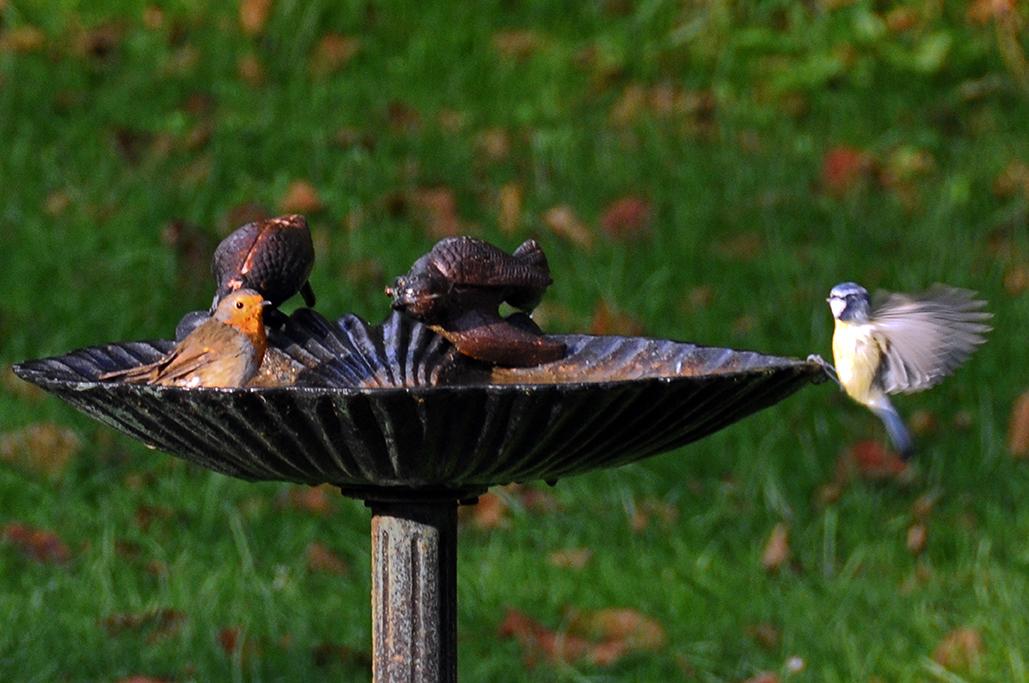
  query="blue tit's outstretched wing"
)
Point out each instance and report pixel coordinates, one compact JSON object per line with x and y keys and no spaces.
{"x":925,"y":337}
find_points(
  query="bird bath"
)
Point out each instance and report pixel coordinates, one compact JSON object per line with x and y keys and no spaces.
{"x":391,"y":415}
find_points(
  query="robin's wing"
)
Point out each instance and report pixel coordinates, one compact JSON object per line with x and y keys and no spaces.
{"x":926,"y":337}
{"x":181,"y":365}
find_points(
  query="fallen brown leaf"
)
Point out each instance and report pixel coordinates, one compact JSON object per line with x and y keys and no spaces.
{"x":570,"y":558}
{"x":325,"y":654}
{"x":489,"y":513}
{"x":766,"y":635}
{"x":56,"y":203}
{"x":45,"y":447}
{"x":984,"y":11}
{"x":843,"y":168}
{"x":250,"y":69}
{"x":743,"y":246}
{"x":98,"y":42}
{"x":37,"y":545}
{"x":22,"y":39}
{"x":628,"y":626}
{"x":517,"y":44}
{"x":321,"y":559}
{"x":649,"y":509}
{"x":960,"y":649}
{"x":301,"y":197}
{"x":1018,"y":429}
{"x":494,"y":144}
{"x":763,"y":677}
{"x":332,"y":53}
{"x":869,"y":460}
{"x":923,"y":422}
{"x":509,"y":201}
{"x":777,"y":548}
{"x":901,"y":19}
{"x":1016,"y":278}
{"x":562,"y":221}
{"x":1012,"y":180}
{"x":253,"y":15}
{"x":607,"y":319}
{"x":451,"y":120}
{"x":403,"y":118}
{"x":538,"y":642}
{"x":917,"y":537}
{"x":153,"y":17}
{"x":627,"y":219}
{"x":436,"y":208}
{"x":159,"y":623}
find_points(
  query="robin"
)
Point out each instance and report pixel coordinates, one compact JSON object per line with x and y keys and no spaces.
{"x":226,"y":350}
{"x":905,"y":343}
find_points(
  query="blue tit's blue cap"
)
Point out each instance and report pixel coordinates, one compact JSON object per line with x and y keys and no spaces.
{"x":845,"y":289}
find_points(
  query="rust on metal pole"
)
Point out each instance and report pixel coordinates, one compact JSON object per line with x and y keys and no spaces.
{"x":414,"y":591}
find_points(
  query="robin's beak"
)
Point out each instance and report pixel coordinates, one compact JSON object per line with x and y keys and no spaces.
{"x":266,"y":303}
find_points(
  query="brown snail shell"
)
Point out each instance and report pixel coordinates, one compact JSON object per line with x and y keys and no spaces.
{"x":273,"y":256}
{"x":457,"y":287}
{"x":463,"y":272}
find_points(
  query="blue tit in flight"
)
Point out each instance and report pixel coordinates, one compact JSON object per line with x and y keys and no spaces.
{"x":902,"y":344}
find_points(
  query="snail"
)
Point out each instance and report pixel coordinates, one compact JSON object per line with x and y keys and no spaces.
{"x":457,"y":288}
{"x":273,"y":257}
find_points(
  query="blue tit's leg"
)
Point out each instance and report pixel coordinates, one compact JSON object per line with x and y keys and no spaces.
{"x":895,"y":427}
{"x":826,"y":366}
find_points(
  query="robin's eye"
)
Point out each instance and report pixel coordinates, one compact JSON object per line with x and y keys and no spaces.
{"x":239,"y":305}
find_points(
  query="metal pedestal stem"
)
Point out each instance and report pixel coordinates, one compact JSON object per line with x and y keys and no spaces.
{"x":414,"y":591}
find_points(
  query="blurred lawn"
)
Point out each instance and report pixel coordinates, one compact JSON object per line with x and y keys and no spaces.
{"x":782,"y":147}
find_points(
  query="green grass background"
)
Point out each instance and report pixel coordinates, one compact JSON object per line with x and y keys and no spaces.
{"x":790,"y":81}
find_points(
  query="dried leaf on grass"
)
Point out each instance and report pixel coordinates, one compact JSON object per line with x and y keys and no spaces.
{"x":253,"y":15}
{"x":250,"y":69}
{"x":918,"y":535}
{"x":763,"y":677}
{"x":45,"y":447}
{"x":490,"y":512}
{"x":570,"y":558}
{"x":627,"y":219}
{"x":325,"y":654}
{"x":22,"y":39}
{"x":316,"y":500}
{"x":650,"y":509}
{"x":870,"y":460}
{"x":1018,"y":429}
{"x":777,"y":548}
{"x":494,"y":144}
{"x":301,"y":197}
{"x":562,"y":221}
{"x":159,"y":623}
{"x":602,"y":637}
{"x":843,"y":169}
{"x":332,"y":53}
{"x":436,"y":209}
{"x":38,"y":545}
{"x":517,"y":43}
{"x":322,"y":559}
{"x":960,"y":649}
{"x":768,"y":636}
{"x":509,"y":208}
{"x":608,"y":319}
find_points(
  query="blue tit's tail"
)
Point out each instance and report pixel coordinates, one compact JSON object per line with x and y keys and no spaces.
{"x":899,"y":434}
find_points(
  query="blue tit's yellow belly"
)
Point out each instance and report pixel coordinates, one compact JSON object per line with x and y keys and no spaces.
{"x":856,"y":355}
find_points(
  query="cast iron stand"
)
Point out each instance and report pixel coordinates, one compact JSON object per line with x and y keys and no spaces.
{"x":414,"y":588}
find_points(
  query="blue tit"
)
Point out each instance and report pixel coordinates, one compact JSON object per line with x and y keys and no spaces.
{"x":904,"y":343}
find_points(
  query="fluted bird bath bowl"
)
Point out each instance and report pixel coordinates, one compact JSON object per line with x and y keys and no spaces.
{"x":393,"y":416}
